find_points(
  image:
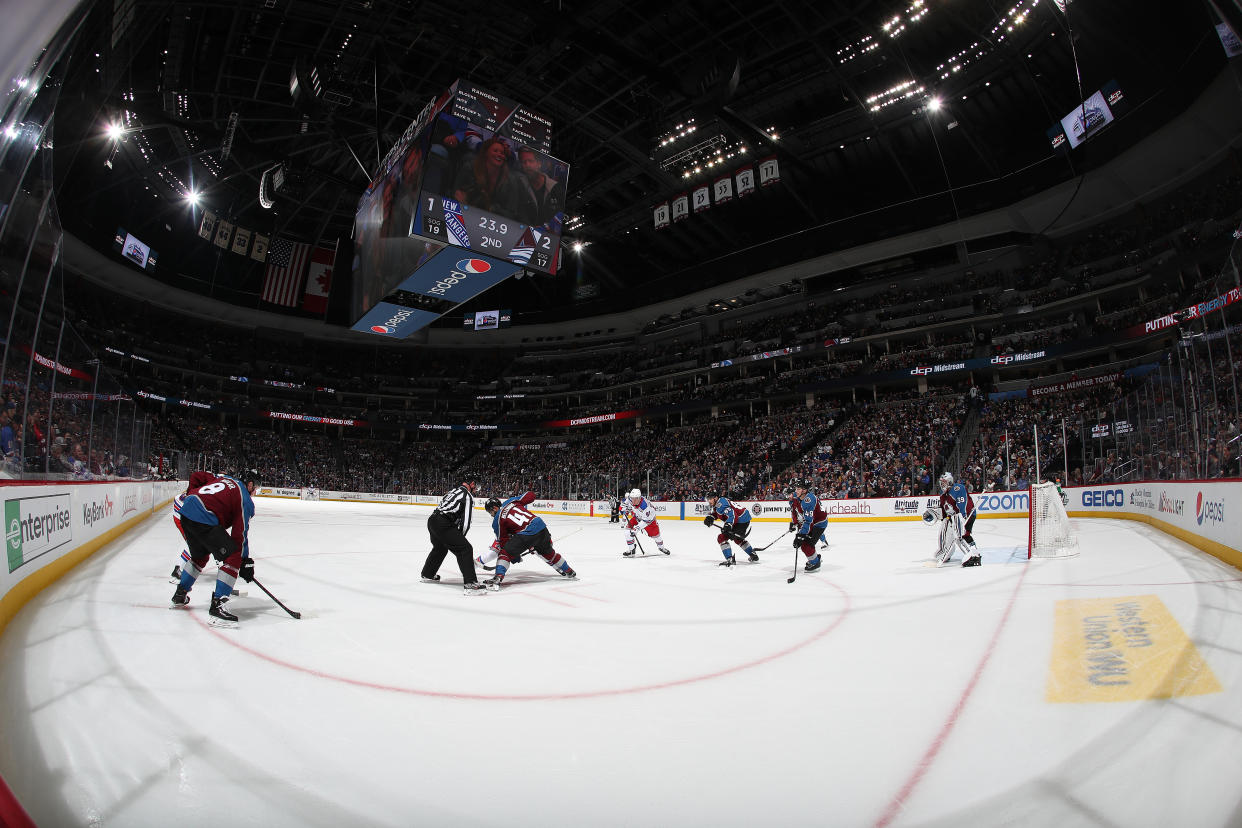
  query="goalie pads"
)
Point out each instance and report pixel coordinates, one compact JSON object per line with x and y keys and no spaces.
{"x":947,"y":543}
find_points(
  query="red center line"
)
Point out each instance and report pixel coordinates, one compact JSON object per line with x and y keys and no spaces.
{"x":929,"y":757}
{"x":230,"y":637}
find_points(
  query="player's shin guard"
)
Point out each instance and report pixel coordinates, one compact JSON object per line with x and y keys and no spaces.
{"x":227,"y":576}
{"x":189,"y":574}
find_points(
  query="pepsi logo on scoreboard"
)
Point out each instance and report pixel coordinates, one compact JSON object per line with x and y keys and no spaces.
{"x":447,"y":275}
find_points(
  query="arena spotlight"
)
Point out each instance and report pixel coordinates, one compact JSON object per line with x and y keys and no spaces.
{"x":115,"y":131}
{"x":192,"y":198}
{"x":933,"y":104}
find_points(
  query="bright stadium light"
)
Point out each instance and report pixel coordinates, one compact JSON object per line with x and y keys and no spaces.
{"x":193,"y":197}
{"x":115,"y":131}
{"x":933,"y":104}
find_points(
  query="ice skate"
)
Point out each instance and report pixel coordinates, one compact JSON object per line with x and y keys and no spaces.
{"x":568,"y":573}
{"x":629,"y":553}
{"x":727,"y":561}
{"x":752,"y":557}
{"x":813,"y":564}
{"x":666,"y":550}
{"x":493,"y":583}
{"x":220,"y":615}
{"x":180,"y":598}
{"x":974,"y":560}
{"x":433,"y":579}
{"x":475,"y":589}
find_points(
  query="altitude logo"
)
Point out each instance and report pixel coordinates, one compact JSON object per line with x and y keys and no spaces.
{"x":1211,"y":511}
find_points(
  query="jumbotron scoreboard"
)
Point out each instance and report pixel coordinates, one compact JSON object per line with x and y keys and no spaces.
{"x":455,"y":205}
{"x":466,"y":198}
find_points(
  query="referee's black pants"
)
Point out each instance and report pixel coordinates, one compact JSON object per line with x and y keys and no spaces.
{"x":445,"y":538}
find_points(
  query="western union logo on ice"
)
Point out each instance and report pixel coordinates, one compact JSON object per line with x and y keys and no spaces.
{"x":1123,"y":649}
{"x":34,"y":525}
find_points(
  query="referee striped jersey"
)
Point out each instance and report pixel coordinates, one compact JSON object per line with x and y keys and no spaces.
{"x":458,"y":506}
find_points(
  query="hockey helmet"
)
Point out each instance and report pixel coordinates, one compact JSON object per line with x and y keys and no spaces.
{"x":802,"y":483}
{"x":634,"y":494}
{"x":946,"y":479}
{"x":492,"y":504}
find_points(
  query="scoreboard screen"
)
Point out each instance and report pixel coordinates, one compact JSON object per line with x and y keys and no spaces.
{"x":484,"y":191}
{"x":501,"y":116}
{"x":488,"y":320}
{"x":134,"y":249}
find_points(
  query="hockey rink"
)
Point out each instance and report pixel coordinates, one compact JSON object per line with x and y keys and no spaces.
{"x":1101,"y":690}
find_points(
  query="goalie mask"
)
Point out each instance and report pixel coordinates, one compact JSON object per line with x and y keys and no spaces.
{"x":946,"y":480}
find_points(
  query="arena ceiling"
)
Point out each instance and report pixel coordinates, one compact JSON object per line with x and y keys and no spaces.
{"x":837,"y":91}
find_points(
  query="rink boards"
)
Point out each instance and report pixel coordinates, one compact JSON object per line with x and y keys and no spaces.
{"x":1205,"y":513}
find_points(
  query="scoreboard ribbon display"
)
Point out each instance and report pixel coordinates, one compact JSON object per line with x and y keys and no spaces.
{"x":445,"y":281}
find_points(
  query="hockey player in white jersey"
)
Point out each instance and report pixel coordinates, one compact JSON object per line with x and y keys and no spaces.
{"x":639,"y":515}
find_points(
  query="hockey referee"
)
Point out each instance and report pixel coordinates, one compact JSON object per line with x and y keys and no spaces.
{"x":448,"y":526}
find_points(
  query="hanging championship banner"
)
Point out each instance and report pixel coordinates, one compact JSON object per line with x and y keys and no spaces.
{"x":745,"y":181}
{"x":660,"y":215}
{"x":207,"y":227}
{"x":681,"y":207}
{"x":769,"y":171}
{"x":241,"y":241}
{"x":224,"y":234}
{"x":702,"y":198}
{"x":723,"y":189}
{"x":259,"y":251}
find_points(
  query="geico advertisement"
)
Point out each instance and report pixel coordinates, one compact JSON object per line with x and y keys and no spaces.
{"x":1206,"y":508}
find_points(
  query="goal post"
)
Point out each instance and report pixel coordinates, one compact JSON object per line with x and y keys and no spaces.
{"x":309,"y":493}
{"x":1049,"y":534}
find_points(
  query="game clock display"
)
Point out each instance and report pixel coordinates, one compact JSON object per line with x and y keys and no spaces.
{"x":445,"y":220}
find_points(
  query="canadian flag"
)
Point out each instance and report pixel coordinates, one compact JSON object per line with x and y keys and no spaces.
{"x":319,"y":280}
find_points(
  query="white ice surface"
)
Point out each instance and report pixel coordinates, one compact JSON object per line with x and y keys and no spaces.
{"x":656,"y":691}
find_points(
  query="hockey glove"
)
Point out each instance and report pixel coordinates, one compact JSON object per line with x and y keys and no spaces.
{"x":800,"y":539}
{"x":709,"y":520}
{"x":793,"y":526}
{"x":246,"y":570}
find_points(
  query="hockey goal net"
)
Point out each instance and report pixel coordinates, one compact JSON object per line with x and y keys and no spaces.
{"x":1050,"y":535}
{"x":309,"y":494}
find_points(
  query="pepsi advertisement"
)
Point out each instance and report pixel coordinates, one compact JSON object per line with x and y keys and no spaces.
{"x":443,"y":282}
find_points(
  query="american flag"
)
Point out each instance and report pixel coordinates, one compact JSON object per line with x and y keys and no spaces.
{"x":286,"y":268}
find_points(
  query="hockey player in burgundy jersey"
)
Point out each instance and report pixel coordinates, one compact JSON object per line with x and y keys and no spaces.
{"x":808,"y":520}
{"x":198,"y":478}
{"x":736,"y":527}
{"x":215,"y":518}
{"x":957,"y":505}
{"x":517,"y":532}
{"x":640,"y":515}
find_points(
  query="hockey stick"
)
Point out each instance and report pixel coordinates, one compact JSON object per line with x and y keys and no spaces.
{"x":778,"y":537}
{"x":794,"y":577}
{"x":259,"y":584}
